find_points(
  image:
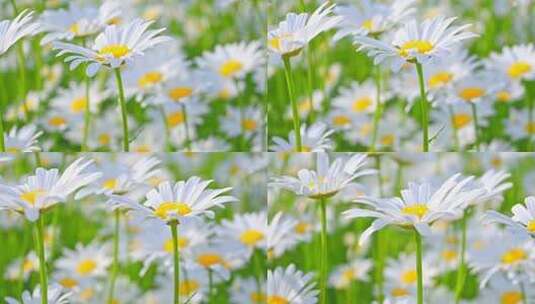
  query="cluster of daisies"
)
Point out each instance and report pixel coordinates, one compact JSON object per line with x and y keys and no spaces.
{"x":128,"y":75}
{"x":134,"y":228}
{"x":401,"y":75}
{"x":445,"y":228}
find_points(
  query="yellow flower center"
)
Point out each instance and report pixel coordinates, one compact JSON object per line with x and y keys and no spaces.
{"x":110,"y":184}
{"x":78,"y":105}
{"x":518,"y":69}
{"x":503,"y":96}
{"x":276,"y":300}
{"x":409,"y":277}
{"x":440,"y":79}
{"x":178,"y":93}
{"x":209,"y":259}
{"x":85,"y":267}
{"x":275,"y":43}
{"x":87,"y":294}
{"x":57,"y":121}
{"x":418,"y":210}
{"x":188,"y":287}
{"x":301,"y":227}
{"x":258,"y":297}
{"x":75,"y":28}
{"x":367,"y":24}
{"x":116,"y":50}
{"x":348,"y":274}
{"x":249,"y":124}
{"x":341,"y":120}
{"x":365,"y":129}
{"x":31,"y":197}
{"x":171,"y":207}
{"x":230,"y":67}
{"x":168,"y":245}
{"x":461,"y":120}
{"x":251,"y":237}
{"x":362,"y":104}
{"x":449,"y":255}
{"x":68,"y":282}
{"x":399,"y":292}
{"x":471,"y":93}
{"x":511,"y":297}
{"x":175,"y":119}
{"x":388,"y":140}
{"x":530,"y":128}
{"x":104,"y":139}
{"x":27,"y":265}
{"x":531,"y":226}
{"x":514,"y":255}
{"x":420,"y":46}
{"x":149,"y":79}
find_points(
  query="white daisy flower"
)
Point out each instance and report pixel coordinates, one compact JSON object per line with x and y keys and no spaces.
{"x":24,"y":266}
{"x":247,"y":121}
{"x":401,"y":276}
{"x":344,"y":275}
{"x":22,"y":140}
{"x":523,"y":219}
{"x":371,"y":18}
{"x":75,"y":21}
{"x":46,"y":188}
{"x":184,"y":199}
{"x":517,"y":62}
{"x":245,"y":291}
{"x":328,"y":179}
{"x":418,"y":207}
{"x":358,"y":98}
{"x":85,"y":261}
{"x":233,"y":60}
{"x":314,"y":139}
{"x":518,"y":125}
{"x":475,"y":88}
{"x":56,"y":295}
{"x":115,"y":47}
{"x":73,"y":99}
{"x":281,"y":235}
{"x":297,"y":30}
{"x":289,"y":285}
{"x":424,"y":43}
{"x":12,"y":31}
{"x":219,"y":256}
{"x":250,"y":229}
{"x":193,"y":286}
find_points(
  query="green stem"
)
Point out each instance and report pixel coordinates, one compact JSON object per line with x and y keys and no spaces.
{"x":423,"y":108}
{"x":295,"y":111}
{"x":257,"y":257}
{"x":461,"y":272}
{"x":186,"y":126}
{"x":22,"y":79}
{"x":523,"y":293}
{"x":210,"y":286}
{"x":122,"y":103}
{"x":115,"y":262}
{"x":454,"y":128}
{"x":418,"y":239}
{"x":174,"y":233}
{"x":323,"y":260}
{"x":310,"y":65}
{"x":87,"y":114}
{"x":378,"y":108}
{"x":2,"y":143}
{"x":531,"y":122}
{"x":476,"y":125}
{"x":40,"y":248}
{"x":169,"y":146}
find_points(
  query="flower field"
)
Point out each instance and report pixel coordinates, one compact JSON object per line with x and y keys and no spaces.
{"x":401,"y":75}
{"x":267,"y":151}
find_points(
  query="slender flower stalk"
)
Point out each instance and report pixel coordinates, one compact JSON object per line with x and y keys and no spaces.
{"x":186,"y":127}
{"x":176,"y":260}
{"x":168,"y":145}
{"x":210,"y":286}
{"x":476,"y":125}
{"x":2,"y":143}
{"x":378,"y":108}
{"x":423,"y":108}
{"x":324,"y":252}
{"x":87,"y":110}
{"x":40,"y":248}
{"x":461,"y":271}
{"x":122,"y":103}
{"x":295,"y":111}
{"x":420,"y":291}
{"x":115,"y":262}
